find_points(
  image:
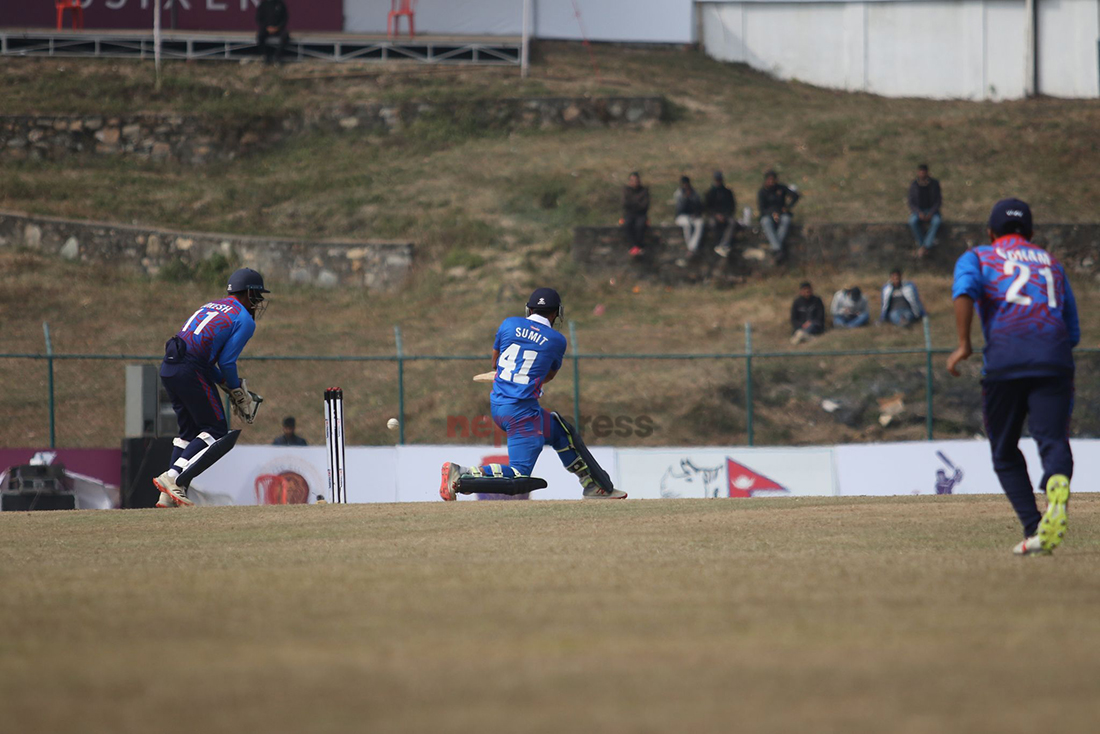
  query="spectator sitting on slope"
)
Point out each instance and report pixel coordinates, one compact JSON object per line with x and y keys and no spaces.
{"x":850,"y":308}
{"x":689,"y":215}
{"x":901,"y":304}
{"x":807,"y":314}
{"x":721,"y":205}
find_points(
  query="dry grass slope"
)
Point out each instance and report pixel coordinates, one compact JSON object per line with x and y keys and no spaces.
{"x":99,"y":309}
{"x":846,"y":616}
{"x":502,"y":207}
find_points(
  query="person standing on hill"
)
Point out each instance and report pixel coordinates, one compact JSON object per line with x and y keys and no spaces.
{"x":272,"y":18}
{"x":1030,"y":325}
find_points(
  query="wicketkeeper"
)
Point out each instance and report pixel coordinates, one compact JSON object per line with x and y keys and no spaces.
{"x":198,"y":360}
{"x":527,"y":354}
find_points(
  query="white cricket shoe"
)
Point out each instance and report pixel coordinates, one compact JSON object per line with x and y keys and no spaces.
{"x":1032,"y":546}
{"x":167,"y":485}
{"x":166,"y":500}
{"x":593,"y":492}
{"x":448,"y":484}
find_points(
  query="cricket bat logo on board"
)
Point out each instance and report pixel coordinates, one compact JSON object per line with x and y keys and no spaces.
{"x":946,"y":483}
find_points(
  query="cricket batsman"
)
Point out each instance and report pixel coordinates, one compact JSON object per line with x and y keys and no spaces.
{"x":201,"y":357}
{"x":1029,"y":321}
{"x":527,"y":354}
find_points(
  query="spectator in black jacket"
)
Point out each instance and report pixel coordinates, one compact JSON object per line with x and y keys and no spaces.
{"x":924,"y":208}
{"x":775,"y":202}
{"x":635,"y":213}
{"x":721,"y":205}
{"x":289,"y":437}
{"x":807,"y":314}
{"x":272,"y":18}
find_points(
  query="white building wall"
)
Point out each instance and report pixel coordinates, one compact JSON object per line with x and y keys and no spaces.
{"x":1068,"y":33}
{"x":653,"y":21}
{"x":966,"y":49}
{"x":1005,"y":36}
{"x":925,"y":49}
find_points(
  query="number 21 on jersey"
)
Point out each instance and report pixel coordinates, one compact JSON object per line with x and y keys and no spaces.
{"x":511,"y":370}
{"x":1023,"y":276}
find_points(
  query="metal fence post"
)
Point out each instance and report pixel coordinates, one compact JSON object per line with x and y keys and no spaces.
{"x":49,"y":381}
{"x":748,"y":382}
{"x":400,"y":386}
{"x":576,"y":375}
{"x":928,"y":370}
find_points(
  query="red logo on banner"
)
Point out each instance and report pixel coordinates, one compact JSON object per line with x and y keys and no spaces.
{"x":743,"y":481}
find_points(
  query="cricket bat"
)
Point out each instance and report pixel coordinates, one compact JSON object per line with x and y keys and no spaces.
{"x":485,"y":377}
{"x":945,"y":460}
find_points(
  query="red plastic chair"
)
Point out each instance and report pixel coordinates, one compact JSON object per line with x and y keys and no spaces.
{"x":77,"y":10}
{"x":398,"y":8}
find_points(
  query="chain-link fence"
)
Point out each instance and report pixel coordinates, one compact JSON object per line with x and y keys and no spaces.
{"x":747,"y":397}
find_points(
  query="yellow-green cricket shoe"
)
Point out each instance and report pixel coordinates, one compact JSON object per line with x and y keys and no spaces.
{"x":1052,"y":528}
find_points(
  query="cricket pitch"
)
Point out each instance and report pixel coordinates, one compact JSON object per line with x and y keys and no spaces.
{"x":782,"y":615}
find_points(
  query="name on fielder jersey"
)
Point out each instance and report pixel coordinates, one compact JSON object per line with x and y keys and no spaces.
{"x":531,"y":335}
{"x":1024,"y":255}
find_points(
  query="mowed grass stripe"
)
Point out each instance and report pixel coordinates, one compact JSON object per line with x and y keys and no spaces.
{"x":899,"y":614}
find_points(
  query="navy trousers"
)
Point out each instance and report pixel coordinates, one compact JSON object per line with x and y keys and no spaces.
{"x":1047,"y":404}
{"x":199,"y":411}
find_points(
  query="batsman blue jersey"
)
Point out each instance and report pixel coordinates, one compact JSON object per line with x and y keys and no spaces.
{"x":529,"y":349}
{"x":215,"y":336}
{"x":1028,"y":312}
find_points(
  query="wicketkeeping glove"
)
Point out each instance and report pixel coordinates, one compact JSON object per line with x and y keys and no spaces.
{"x":245,"y":402}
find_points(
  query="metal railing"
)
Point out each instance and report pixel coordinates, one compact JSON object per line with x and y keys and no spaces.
{"x":748,"y":358}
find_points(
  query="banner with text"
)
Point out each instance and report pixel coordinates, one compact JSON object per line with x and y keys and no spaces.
{"x":259,"y":475}
{"x":190,"y":15}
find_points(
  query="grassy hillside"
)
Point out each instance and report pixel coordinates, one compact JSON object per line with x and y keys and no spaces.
{"x":502,"y":207}
{"x":446,"y":184}
{"x":99,"y":309}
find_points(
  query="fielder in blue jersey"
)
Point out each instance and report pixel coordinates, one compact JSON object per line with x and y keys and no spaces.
{"x":1029,"y":321}
{"x":528,"y":353}
{"x":199,"y":359}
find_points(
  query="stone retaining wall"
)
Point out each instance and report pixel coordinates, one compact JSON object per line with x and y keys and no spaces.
{"x":194,"y":140}
{"x":829,"y":245}
{"x":372,"y":265}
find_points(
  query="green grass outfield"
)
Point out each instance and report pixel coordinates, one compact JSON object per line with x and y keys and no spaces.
{"x":887,"y":615}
